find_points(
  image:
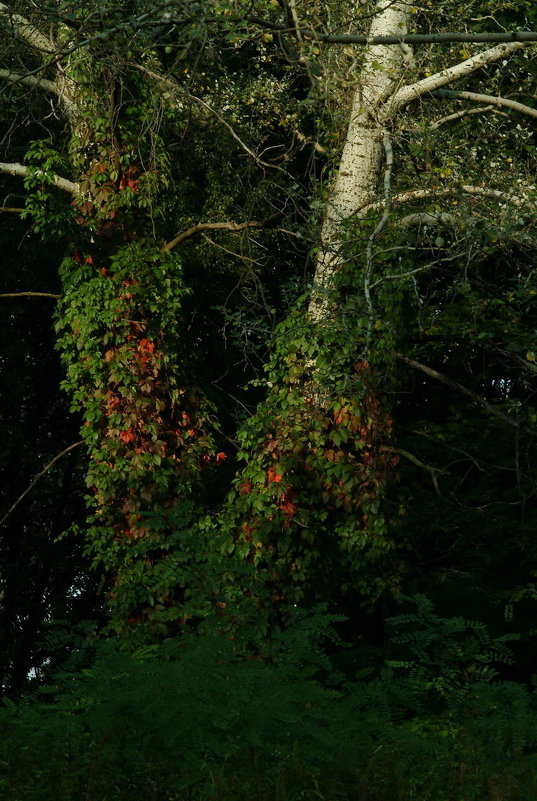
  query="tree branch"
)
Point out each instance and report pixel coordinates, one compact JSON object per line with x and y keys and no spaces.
{"x":407,"y":94}
{"x":28,"y":294}
{"x":38,"y":476}
{"x":494,"y":101}
{"x":518,"y":359}
{"x":465,"y":112}
{"x":221,"y":226}
{"x":174,"y":87}
{"x":444,"y":218}
{"x":26,"y":30}
{"x":29,"y":80}
{"x":22,"y":170}
{"x":467,"y":189}
{"x":433,"y":471}
{"x":410,"y":38}
{"x":41,"y":83}
{"x":37,"y":40}
{"x":465,"y":391}
{"x":423,"y":38}
{"x":427,"y":218}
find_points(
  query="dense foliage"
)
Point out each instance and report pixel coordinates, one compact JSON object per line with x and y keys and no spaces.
{"x":292,"y":551}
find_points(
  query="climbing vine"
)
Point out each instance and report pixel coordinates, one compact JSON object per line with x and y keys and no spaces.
{"x":310,"y":505}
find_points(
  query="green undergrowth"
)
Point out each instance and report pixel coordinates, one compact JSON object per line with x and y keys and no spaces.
{"x":205,"y":719}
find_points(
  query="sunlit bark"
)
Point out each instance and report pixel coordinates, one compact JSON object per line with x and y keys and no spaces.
{"x":361,"y":160}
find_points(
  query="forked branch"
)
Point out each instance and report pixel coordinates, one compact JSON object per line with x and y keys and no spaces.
{"x":407,"y":94}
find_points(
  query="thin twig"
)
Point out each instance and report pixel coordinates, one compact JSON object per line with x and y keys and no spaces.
{"x":414,"y":459}
{"x":174,"y":87}
{"x":433,"y":471}
{"x":229,"y":252}
{"x":38,"y":476}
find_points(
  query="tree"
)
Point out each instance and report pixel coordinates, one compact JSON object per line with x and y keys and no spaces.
{"x":363,"y":283}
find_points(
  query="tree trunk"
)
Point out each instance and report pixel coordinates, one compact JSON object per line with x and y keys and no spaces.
{"x":361,"y":159}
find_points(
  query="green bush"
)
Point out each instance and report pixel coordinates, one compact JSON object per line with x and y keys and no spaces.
{"x":197,"y":720}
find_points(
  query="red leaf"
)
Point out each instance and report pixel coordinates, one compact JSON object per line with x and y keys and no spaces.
{"x":288,"y":508}
{"x":272,"y":475}
{"x":146,"y":346}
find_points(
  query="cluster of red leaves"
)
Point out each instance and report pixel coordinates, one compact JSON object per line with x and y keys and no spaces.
{"x":147,"y":446}
{"x":315,"y":458}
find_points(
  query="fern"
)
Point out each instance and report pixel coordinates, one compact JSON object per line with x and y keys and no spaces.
{"x":201,"y":718}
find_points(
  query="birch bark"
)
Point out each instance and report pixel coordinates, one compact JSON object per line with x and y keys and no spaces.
{"x":361,"y":159}
{"x":380,"y":94}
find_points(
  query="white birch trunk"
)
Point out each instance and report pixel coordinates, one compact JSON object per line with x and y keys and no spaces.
{"x":361,"y":160}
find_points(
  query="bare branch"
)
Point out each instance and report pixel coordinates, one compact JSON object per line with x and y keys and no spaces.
{"x":444,"y":218}
{"x":28,"y":294}
{"x":424,"y":38}
{"x":427,"y":218}
{"x":32,"y":36}
{"x":407,"y":94}
{"x":408,"y":273}
{"x":235,"y":136}
{"x":29,"y":80}
{"x":230,"y":252}
{"x":413,"y":459}
{"x":398,"y":276}
{"x":38,"y":476}
{"x":41,"y":83}
{"x":465,"y":112}
{"x":409,"y":38}
{"x":26,"y":30}
{"x":434,"y":471}
{"x":175,"y":88}
{"x":494,"y":101}
{"x":21,"y":169}
{"x":527,"y":365}
{"x":467,"y":189}
{"x":221,"y":226}
{"x":465,"y":391}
